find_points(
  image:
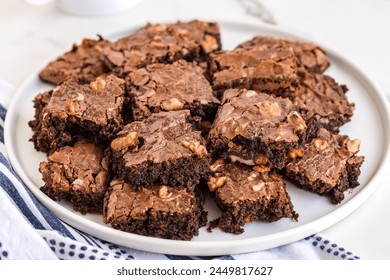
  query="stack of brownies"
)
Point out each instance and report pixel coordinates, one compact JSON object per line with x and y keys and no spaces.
{"x":141,"y":128}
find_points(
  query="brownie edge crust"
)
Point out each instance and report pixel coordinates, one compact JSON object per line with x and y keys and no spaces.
{"x":162,"y":211}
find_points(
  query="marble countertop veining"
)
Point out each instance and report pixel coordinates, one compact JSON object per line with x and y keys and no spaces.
{"x":30,"y":36}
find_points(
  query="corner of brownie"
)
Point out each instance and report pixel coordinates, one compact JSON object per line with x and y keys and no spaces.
{"x":245,"y":194}
{"x":324,"y":100}
{"x":84,"y":60}
{"x":79,"y":174}
{"x":328,"y":165}
{"x":163,"y":149}
{"x":161,"y":211}
{"x":78,"y":110}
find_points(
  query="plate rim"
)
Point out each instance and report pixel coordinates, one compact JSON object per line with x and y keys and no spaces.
{"x":203,"y":248}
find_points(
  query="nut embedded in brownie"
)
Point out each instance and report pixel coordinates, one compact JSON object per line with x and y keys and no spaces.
{"x":328,"y":165}
{"x":171,"y":87}
{"x":84,"y":60}
{"x":245,"y":194}
{"x":269,"y":68}
{"x":79,"y":174}
{"x":163,"y":149}
{"x":310,"y":56}
{"x":161,"y":211}
{"x":250,"y":125}
{"x":162,"y":43}
{"x":77,"y":110}
{"x":324,"y":100}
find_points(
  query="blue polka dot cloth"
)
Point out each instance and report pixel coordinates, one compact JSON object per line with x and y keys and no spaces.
{"x":28,"y":230}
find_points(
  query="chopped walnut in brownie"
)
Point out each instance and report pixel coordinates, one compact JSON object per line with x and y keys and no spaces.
{"x":164,"y":149}
{"x":245,"y":194}
{"x":79,"y":174}
{"x":328,"y":165}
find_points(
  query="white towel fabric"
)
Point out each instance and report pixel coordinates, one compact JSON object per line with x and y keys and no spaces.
{"x":30,"y":231}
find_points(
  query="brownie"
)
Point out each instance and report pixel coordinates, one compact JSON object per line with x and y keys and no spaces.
{"x":171,"y":87}
{"x":162,"y":211}
{"x":310,"y":56}
{"x":206,"y":34}
{"x":328,"y":165}
{"x":162,"y":43}
{"x":79,"y":174}
{"x":84,"y":60}
{"x":245,"y":194}
{"x":78,"y":110}
{"x":251,"y":126}
{"x":164,"y":149}
{"x":269,"y":68}
{"x":325,"y":100}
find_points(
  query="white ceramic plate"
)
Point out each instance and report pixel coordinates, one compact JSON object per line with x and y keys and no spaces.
{"x":370,"y":124}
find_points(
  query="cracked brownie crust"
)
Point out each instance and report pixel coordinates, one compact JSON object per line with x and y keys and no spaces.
{"x":160,"y":211}
{"x":162,"y":43}
{"x":164,"y":149}
{"x":250,"y":124}
{"x":79,"y":174}
{"x":328,"y":165}
{"x":171,"y":87}
{"x":309,"y":56}
{"x":84,"y":60}
{"x":271,"y":69}
{"x":245,"y":194}
{"x":78,"y":109}
{"x":324,"y":100}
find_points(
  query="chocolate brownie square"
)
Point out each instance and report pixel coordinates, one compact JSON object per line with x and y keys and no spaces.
{"x":325,"y":100}
{"x":270,"y":68}
{"x":164,"y":149}
{"x":310,"y":56}
{"x":79,"y":109}
{"x":84,"y":60}
{"x":251,"y":126}
{"x":245,"y":194}
{"x":161,"y":211}
{"x":162,"y":43}
{"x":328,"y":165}
{"x":79,"y":174}
{"x":206,"y":34}
{"x":171,"y":87}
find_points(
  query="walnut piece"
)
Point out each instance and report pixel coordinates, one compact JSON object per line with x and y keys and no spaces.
{"x":217,"y":164}
{"x":215,"y":183}
{"x":209,"y":44}
{"x":297,"y":121}
{"x":320,"y":144}
{"x":195,"y":147}
{"x":98,"y":84}
{"x":261,"y":160}
{"x":252,"y":176}
{"x":271,"y":108}
{"x":124,"y":142}
{"x":258,"y":186}
{"x":353,"y":146}
{"x":294,"y":153}
{"x":163,"y":192}
{"x":172,"y":104}
{"x":261,"y":168}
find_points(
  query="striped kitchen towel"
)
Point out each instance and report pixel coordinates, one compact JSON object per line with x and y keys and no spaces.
{"x":28,"y":230}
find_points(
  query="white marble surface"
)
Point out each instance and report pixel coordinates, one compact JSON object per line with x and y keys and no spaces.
{"x":30,"y":36}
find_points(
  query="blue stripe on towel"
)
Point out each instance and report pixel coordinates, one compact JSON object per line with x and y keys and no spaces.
{"x":3,"y":112}
{"x":9,"y":188}
{"x":12,"y":191}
